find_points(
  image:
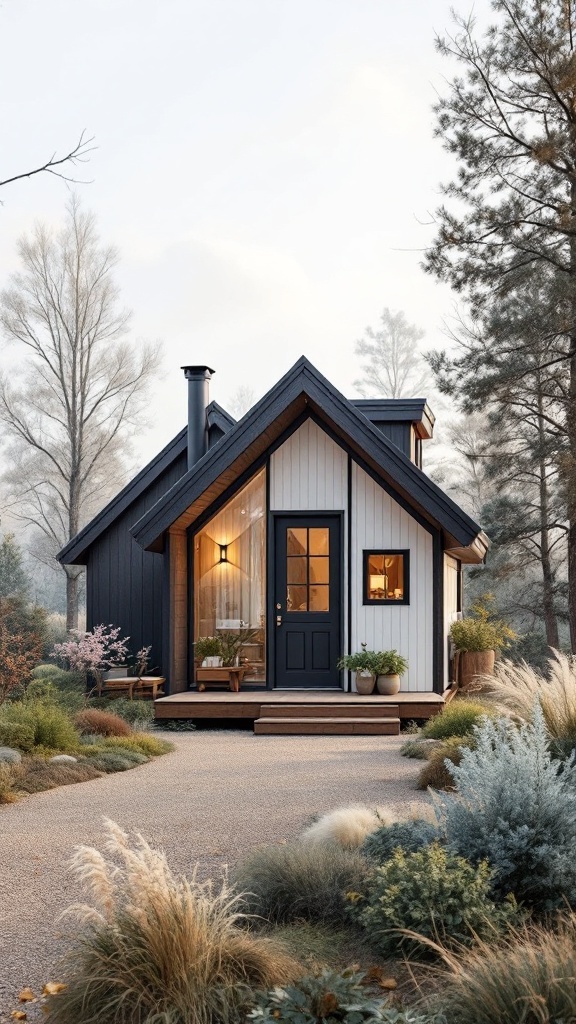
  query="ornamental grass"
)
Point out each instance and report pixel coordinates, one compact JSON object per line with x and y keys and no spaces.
{"x":528,"y":977}
{"x":159,"y":949}
{"x":514,"y":690}
{"x":104,"y":723}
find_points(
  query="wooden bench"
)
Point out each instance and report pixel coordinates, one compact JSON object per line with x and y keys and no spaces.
{"x":132,"y":685}
{"x":232,"y":675}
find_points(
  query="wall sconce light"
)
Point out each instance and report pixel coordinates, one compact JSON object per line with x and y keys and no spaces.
{"x":223,"y":553}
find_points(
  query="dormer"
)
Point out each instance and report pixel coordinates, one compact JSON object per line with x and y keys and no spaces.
{"x":404,"y":421}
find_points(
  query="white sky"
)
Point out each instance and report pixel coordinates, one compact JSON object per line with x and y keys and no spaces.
{"x":264,"y":166}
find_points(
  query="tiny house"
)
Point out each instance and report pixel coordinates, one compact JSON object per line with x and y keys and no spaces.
{"x":309,"y":523}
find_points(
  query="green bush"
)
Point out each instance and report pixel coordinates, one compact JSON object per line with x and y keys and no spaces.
{"x":307,"y":881}
{"x":52,"y":728}
{"x":16,"y":734}
{"x":436,"y":773}
{"x":152,"y":746}
{"x":419,"y":748}
{"x":404,"y":835}
{"x":333,"y":998}
{"x":138,"y":713}
{"x":434,"y":893}
{"x":457,"y":719}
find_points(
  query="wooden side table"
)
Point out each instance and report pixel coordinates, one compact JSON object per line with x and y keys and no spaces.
{"x":233,"y":675}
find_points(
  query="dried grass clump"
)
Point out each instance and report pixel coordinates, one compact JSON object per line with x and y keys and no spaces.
{"x":8,"y":789}
{"x":301,"y":881}
{"x":527,"y":977}
{"x":103,"y":723}
{"x":35,"y":775}
{"x":157,"y":949}
{"x":515,"y":689}
{"x":346,"y":826}
{"x":435,"y":773}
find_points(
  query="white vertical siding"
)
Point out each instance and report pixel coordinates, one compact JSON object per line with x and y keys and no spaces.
{"x":309,"y":473}
{"x":450,"y":605}
{"x":379,"y":522}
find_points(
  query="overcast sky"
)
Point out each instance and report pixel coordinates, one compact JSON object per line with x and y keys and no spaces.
{"x":267,"y":169}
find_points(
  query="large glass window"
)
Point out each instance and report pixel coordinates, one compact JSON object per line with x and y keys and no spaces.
{"x":230,"y":577}
{"x":386,"y":577}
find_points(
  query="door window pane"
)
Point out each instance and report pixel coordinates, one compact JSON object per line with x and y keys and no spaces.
{"x":297,"y":569}
{"x":319,"y":570}
{"x":297,"y":599}
{"x":319,"y":540}
{"x":319,"y":598}
{"x":296,"y":540}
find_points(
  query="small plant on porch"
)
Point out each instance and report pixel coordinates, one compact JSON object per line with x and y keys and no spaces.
{"x":231,"y":644}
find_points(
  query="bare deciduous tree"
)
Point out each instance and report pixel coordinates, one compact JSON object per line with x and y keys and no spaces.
{"x":55,"y":164}
{"x":394,"y":367}
{"x":69,"y":405}
{"x":241,"y":400}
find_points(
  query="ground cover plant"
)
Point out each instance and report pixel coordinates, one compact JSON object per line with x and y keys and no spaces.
{"x":431,"y":892}
{"x":515,"y":807}
{"x":306,"y":881}
{"x":157,"y":948}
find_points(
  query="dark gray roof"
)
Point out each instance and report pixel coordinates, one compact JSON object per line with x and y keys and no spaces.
{"x":303,"y":387}
{"x":398,"y":410}
{"x":74,"y":550}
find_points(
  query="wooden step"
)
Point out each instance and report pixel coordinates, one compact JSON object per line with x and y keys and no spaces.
{"x":343,"y":709}
{"x":327,"y":726}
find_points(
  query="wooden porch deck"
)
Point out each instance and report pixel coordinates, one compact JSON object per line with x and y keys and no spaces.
{"x":255,"y":704}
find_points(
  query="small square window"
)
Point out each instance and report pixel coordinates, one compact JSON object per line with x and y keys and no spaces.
{"x":386,"y":577}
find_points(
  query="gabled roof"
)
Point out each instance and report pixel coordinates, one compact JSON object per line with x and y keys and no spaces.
{"x":303,"y":389}
{"x":74,"y":551}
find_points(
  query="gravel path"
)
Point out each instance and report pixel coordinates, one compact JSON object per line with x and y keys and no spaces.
{"x":217,"y":796}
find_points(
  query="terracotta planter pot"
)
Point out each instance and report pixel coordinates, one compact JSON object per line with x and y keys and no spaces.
{"x":388,"y":684}
{"x":365,"y":684}
{"x":475,"y":663}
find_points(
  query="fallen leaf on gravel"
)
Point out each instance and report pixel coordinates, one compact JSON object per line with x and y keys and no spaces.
{"x":19,"y":1015}
{"x":389,"y":984}
{"x":52,"y":988}
{"x":26,"y":995}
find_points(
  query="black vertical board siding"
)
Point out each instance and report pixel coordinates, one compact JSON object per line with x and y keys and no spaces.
{"x":124,"y":584}
{"x":399,"y":434}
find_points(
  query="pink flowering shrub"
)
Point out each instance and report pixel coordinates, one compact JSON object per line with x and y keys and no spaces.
{"x":93,"y":652}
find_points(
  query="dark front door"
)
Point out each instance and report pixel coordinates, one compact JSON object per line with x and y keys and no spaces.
{"x":307,"y":601}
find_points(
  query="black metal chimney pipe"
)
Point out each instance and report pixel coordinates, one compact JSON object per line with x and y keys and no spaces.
{"x":198,"y":378}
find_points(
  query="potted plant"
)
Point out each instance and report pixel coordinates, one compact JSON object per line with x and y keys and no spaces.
{"x":231,"y":645}
{"x":390,"y":666}
{"x":477,"y":638}
{"x":208,"y":651}
{"x":364,"y":664}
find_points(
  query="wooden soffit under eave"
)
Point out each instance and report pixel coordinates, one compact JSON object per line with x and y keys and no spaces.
{"x":472,"y":554}
{"x":254,"y":451}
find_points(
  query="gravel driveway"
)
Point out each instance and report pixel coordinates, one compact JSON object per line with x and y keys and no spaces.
{"x":217,"y":796}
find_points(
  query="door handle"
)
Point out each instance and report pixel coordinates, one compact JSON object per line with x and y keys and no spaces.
{"x":278,"y":620}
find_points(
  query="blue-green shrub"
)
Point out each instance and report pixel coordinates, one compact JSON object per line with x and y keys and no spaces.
{"x":405,"y":835}
{"x":516,"y":807}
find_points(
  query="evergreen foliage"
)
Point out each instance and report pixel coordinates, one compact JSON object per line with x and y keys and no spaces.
{"x":404,"y":835}
{"x":14,"y":580}
{"x":434,"y":893}
{"x":515,"y":807}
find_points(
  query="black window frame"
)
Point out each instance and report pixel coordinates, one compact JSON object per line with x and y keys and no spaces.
{"x":366,"y":554}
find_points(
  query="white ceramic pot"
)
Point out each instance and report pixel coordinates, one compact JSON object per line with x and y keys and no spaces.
{"x":388,"y":684}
